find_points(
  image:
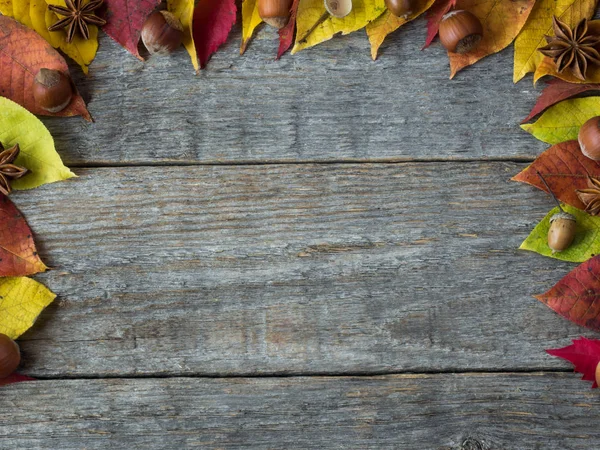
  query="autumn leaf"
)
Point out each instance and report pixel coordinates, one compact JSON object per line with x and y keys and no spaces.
{"x":434,"y":17}
{"x":21,"y":302}
{"x":562,"y":121}
{"x":38,"y":155}
{"x":555,"y":92}
{"x":184,"y":11}
{"x":527,"y":58}
{"x":286,"y":34}
{"x":312,"y":12}
{"x":125,"y":19}
{"x":23,"y":53}
{"x":584,"y":354}
{"x":213,"y":20}
{"x":34,"y":14}
{"x":585,"y":245}
{"x":15,"y":378}
{"x":386,"y":23}
{"x":250,"y":20}
{"x":565,"y":169}
{"x":501,"y":20}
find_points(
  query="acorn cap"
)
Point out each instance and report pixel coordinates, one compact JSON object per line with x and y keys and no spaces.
{"x":563,"y":215}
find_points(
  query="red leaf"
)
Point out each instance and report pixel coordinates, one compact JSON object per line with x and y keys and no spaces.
{"x":124,"y":21}
{"x":18,"y":256}
{"x":434,"y":17}
{"x":577,"y":296}
{"x":286,"y":34}
{"x":556,"y":91}
{"x":584,"y":354}
{"x":15,"y":378}
{"x":565,"y":169}
{"x":23,"y":53}
{"x":212,"y":23}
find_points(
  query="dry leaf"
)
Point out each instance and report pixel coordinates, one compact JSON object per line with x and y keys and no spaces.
{"x":584,"y":354}
{"x":184,"y":11}
{"x":250,"y":20}
{"x":213,"y":20}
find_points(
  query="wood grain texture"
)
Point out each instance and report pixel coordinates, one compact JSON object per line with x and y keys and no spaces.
{"x":351,"y":268}
{"x":442,"y":412}
{"x":329,"y":103}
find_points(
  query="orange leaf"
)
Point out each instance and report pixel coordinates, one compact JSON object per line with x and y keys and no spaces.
{"x":565,"y":169}
{"x":22,"y":53}
{"x":18,"y":255}
{"x":501,"y":19}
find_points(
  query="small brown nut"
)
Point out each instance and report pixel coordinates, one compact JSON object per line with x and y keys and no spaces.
{"x":275,"y":12}
{"x":52,"y":90}
{"x":162,"y":33}
{"x":562,"y":231}
{"x":10,"y":356}
{"x":460,"y":31}
{"x":589,"y":138}
{"x":400,"y":8}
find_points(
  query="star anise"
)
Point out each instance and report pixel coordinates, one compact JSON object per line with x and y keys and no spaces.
{"x":8,"y":170}
{"x":77,"y":16}
{"x":572,"y":48}
{"x":591,"y":196}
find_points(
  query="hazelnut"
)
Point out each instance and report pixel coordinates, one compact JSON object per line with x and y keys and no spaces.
{"x":589,"y":138}
{"x":162,"y":33}
{"x":10,"y":356}
{"x":275,"y":12}
{"x":52,"y":90}
{"x":400,"y":8}
{"x":460,"y":31}
{"x":598,"y":374}
{"x":562,"y":231}
{"x":338,"y":8}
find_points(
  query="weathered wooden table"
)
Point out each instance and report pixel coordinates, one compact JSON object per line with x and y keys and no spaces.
{"x":319,"y":252}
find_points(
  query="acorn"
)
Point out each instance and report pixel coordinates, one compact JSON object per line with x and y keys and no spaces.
{"x":400,"y":8}
{"x":52,"y":90}
{"x":10,"y":356}
{"x":563,"y":225}
{"x":460,"y":31}
{"x":162,"y":33}
{"x":338,"y":8}
{"x":275,"y":12}
{"x":589,"y":138}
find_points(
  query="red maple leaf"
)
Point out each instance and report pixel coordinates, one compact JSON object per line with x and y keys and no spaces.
{"x":584,"y":354}
{"x":286,"y":34}
{"x":213,"y":20}
{"x":556,"y":91}
{"x":124,"y":21}
{"x":15,"y":378}
{"x":434,"y":17}
{"x":577,"y":296}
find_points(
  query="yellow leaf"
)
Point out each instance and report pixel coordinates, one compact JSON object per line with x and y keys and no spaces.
{"x":19,"y":126}
{"x":527,"y":57}
{"x":387,"y":23}
{"x":184,"y":11}
{"x":21,"y":302}
{"x":562,"y":121}
{"x":250,"y":20}
{"x":501,"y":19}
{"x":35,"y":15}
{"x":310,"y":12}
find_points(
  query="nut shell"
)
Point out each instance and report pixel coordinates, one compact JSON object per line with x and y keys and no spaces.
{"x":52,"y":90}
{"x":10,"y":356}
{"x":562,"y":231}
{"x":338,"y":8}
{"x":460,"y":31}
{"x":589,"y":138}
{"x":400,"y":8}
{"x":162,"y":33}
{"x":275,"y":12}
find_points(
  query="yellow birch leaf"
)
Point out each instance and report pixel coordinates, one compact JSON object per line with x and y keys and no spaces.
{"x":34,"y":14}
{"x":19,"y":126}
{"x":310,"y":12}
{"x":184,"y":11}
{"x":21,"y":302}
{"x":501,"y":19}
{"x":386,"y":23}
{"x":250,"y":20}
{"x":527,"y":57}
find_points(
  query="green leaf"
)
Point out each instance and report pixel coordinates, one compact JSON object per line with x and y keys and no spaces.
{"x":585,"y":245}
{"x":19,"y":126}
{"x":561,"y":122}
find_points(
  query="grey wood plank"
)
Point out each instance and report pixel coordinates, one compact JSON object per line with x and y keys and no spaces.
{"x":351,"y":268}
{"x":329,"y":103}
{"x":444,"y":412}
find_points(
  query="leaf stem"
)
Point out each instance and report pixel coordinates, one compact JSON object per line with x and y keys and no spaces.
{"x":549,"y":190}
